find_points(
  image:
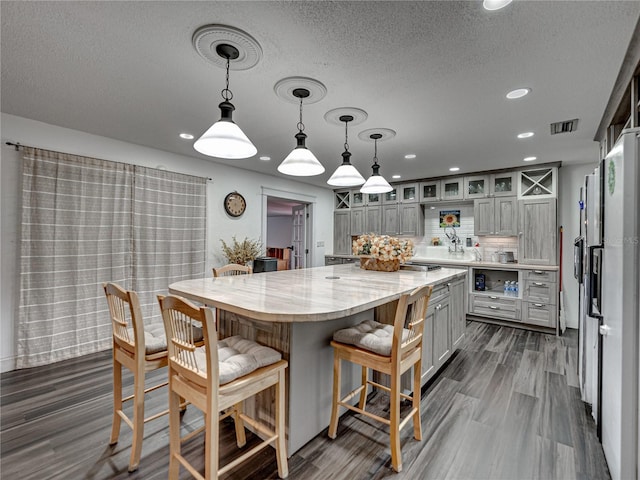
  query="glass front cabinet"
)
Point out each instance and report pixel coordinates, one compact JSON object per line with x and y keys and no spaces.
{"x":430,"y":191}
{"x":503,"y":184}
{"x":452,"y":188}
{"x":476,"y":186}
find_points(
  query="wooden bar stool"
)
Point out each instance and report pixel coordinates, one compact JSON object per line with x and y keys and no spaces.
{"x":217,"y":378}
{"x":390,"y":349}
{"x":232,"y":269}
{"x":140,"y":351}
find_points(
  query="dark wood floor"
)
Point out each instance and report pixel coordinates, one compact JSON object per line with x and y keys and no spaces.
{"x":507,"y":406}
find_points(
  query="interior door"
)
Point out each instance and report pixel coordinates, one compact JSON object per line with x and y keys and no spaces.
{"x":298,"y":234}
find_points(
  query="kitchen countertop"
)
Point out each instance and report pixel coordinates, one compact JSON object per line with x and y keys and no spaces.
{"x":310,"y":294}
{"x":454,"y":262}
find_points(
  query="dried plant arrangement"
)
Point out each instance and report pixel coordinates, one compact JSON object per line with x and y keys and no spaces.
{"x":241,"y":252}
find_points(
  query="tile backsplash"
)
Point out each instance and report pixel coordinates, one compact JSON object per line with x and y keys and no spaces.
{"x":489,"y":246}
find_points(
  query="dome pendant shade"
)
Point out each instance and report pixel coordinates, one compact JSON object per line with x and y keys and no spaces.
{"x":376,"y":182}
{"x":301,"y":162}
{"x":225,"y":139}
{"x":346,"y":175}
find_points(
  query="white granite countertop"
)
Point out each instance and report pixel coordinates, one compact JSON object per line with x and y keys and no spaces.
{"x":308,"y":295}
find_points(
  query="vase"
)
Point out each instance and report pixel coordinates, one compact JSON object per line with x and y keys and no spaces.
{"x":370,"y":263}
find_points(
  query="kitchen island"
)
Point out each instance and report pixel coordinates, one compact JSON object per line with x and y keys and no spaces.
{"x":297,"y":311}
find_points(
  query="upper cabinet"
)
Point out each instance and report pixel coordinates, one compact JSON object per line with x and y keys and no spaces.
{"x":409,"y":192}
{"x":452,"y":188}
{"x":430,"y":191}
{"x":503,"y":184}
{"x":359,"y":199}
{"x":538,"y":182}
{"x":476,"y":186}
{"x":390,"y":198}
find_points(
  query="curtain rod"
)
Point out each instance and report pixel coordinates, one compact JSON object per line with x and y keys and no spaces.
{"x":18,"y":146}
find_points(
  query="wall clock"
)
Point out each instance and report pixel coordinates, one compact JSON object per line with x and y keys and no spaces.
{"x":234,"y":204}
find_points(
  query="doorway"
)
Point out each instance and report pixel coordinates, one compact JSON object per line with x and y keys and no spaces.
{"x":288,"y":228}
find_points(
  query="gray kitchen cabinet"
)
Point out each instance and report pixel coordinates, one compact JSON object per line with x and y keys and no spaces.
{"x":496,"y":216}
{"x":428,"y":363}
{"x":458,"y":311}
{"x":342,"y":232}
{"x":476,"y":186}
{"x":358,"y":220}
{"x":452,"y":188}
{"x":409,"y":192}
{"x":390,"y":223}
{"x":430,"y":191}
{"x":373,"y":219}
{"x":442,"y":332}
{"x":537,"y":231}
{"x":503,"y":184}
{"x":411,"y":219}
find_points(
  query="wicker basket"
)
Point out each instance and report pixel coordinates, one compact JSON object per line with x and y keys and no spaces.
{"x":370,"y":263}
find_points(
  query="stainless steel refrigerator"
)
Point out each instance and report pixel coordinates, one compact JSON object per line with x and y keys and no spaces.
{"x":610,"y":362}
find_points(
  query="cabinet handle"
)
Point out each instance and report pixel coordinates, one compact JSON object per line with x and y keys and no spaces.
{"x":538,"y":272}
{"x":493,"y":297}
{"x":539,"y":284}
{"x":538,"y":305}
{"x":492,"y":307}
{"x":439,"y":306}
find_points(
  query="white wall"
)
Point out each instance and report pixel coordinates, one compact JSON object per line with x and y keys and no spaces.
{"x":570,"y":179}
{"x":219,"y":225}
{"x":279,"y":231}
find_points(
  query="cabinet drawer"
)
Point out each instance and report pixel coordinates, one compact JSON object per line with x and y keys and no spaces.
{"x":539,"y":276}
{"x":489,"y":306}
{"x":543,"y":314}
{"x":438,"y":292}
{"x":540,"y":292}
{"x":332,"y":260}
{"x":350,"y":260}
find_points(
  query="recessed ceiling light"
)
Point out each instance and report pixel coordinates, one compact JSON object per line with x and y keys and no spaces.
{"x":530,"y":159}
{"x":396,"y":176}
{"x":518,"y":93}
{"x":454,"y":169}
{"x":495,"y":4}
{"x":525,"y":135}
{"x":409,"y":156}
{"x":186,"y":136}
{"x":265,"y":158}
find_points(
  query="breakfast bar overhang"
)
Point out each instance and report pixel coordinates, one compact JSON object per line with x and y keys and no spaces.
{"x":296,"y":312}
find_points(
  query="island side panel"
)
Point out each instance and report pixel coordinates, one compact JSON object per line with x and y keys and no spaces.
{"x":311,"y":377}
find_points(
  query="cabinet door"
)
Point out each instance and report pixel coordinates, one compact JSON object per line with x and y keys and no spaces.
{"x":390,"y":220}
{"x":537,"y":235}
{"x":390,"y":198}
{"x":441,"y":332}
{"x":506,"y":216}
{"x":357,"y":220}
{"x":342,"y":200}
{"x":476,"y":186}
{"x":428,"y":365}
{"x":358,"y":199}
{"x":408,"y":193}
{"x":483,"y":216}
{"x":411,"y":220}
{"x":342,"y":232}
{"x":539,"y":182}
{"x":430,"y":191}
{"x":373,"y":220}
{"x":373,"y":199}
{"x":458,"y":300}
{"x":451,"y":189}
{"x":502,"y":184}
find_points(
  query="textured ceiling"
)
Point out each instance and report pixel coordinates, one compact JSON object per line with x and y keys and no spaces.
{"x":435,"y":72}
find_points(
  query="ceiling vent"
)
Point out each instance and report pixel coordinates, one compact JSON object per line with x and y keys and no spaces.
{"x":564,"y":127}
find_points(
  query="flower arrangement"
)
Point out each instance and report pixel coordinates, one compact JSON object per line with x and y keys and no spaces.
{"x":382,"y":249}
{"x":241,"y":252}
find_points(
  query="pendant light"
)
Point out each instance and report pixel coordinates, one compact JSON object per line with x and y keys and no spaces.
{"x":346,"y":175}
{"x":301,"y":162}
{"x":376,"y":182}
{"x":225,"y":139}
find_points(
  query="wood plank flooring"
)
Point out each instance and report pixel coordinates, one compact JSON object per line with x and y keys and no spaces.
{"x":507,"y":406}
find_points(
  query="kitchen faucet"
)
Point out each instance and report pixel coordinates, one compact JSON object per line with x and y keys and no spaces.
{"x":455,"y":240}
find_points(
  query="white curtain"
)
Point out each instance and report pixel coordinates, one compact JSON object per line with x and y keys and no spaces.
{"x":86,"y":221}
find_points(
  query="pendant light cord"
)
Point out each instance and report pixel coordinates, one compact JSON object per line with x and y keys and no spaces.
{"x":375,"y":151}
{"x":226,"y":93}
{"x":300,"y":124}
{"x":346,"y":137}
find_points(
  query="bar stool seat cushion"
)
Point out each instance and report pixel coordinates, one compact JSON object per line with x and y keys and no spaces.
{"x":369,"y":335}
{"x":238,"y":357}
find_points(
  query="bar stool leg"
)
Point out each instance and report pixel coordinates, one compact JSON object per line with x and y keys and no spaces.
{"x":394,"y":427}
{"x":417,"y":421}
{"x":138,"y":420}
{"x":333,"y":425}
{"x":363,"y":392}
{"x":174,"y":433}
{"x":117,"y":402}
{"x":241,"y":438}
{"x":281,"y":444}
